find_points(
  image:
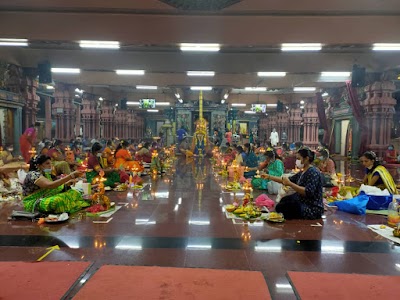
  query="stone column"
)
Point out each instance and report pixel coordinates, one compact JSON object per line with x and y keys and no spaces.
{"x":77,"y":119}
{"x":48,"y":121}
{"x":379,"y":106}
{"x":311,"y":124}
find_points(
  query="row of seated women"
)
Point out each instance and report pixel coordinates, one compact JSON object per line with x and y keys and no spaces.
{"x":307,"y":185}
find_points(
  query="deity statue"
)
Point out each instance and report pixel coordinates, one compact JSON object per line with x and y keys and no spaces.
{"x":200,"y":137}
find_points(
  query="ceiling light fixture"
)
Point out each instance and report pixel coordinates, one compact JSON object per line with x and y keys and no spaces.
{"x":325,"y":94}
{"x":14,"y":42}
{"x":302,"y":102}
{"x":101,"y":98}
{"x":271,"y":74}
{"x":304,"y":89}
{"x":256,"y":89}
{"x":386,"y":47}
{"x":222,"y":101}
{"x":152,"y":110}
{"x":130,"y":72}
{"x":99,"y":44}
{"x":180,"y":100}
{"x":132,"y":103}
{"x":335,"y":74}
{"x":66,"y":70}
{"x":177,"y":95}
{"x":249,"y":112}
{"x":226,"y":96}
{"x":200,"y":47}
{"x":272,"y":104}
{"x":301,"y":47}
{"x":201,"y":88}
{"x":238,"y":104}
{"x":146,"y":87}
{"x":50,"y":87}
{"x":201,"y":73}
{"x":163,"y":104}
{"x":302,"y":106}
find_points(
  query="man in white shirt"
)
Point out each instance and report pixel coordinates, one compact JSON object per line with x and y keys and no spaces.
{"x":274,"y":138}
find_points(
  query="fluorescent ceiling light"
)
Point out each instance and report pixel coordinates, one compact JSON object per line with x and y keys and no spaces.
{"x":238,"y":104}
{"x":152,"y":110}
{"x":272,"y":104}
{"x":301,"y":47}
{"x":386,"y":47}
{"x":146,"y":87}
{"x":66,"y":70}
{"x":163,"y":104}
{"x":335,"y":74}
{"x":200,"y":47}
{"x":99,"y":44}
{"x":271,"y":74}
{"x":325,"y":94}
{"x":193,"y":246}
{"x":256,"y":89}
{"x":14,"y":42}
{"x":302,"y":106}
{"x":201,"y":88}
{"x":249,"y":112}
{"x":130,"y":72}
{"x":50,"y":87}
{"x":128,"y":247}
{"x":132,"y":103}
{"x":200,"y":73}
{"x":304,"y":89}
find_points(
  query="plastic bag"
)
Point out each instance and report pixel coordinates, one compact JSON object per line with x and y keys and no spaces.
{"x":357,"y":205}
{"x":21,"y":176}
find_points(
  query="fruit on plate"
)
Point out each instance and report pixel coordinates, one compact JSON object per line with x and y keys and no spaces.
{"x":238,"y":210}
{"x":396,"y":232}
{"x":230,"y":208}
{"x":275,"y":216}
{"x":233,"y":186}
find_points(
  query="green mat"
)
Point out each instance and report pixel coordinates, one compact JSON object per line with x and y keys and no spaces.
{"x":377,"y":212}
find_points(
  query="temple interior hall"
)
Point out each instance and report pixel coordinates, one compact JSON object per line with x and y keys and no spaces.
{"x":193,"y":149}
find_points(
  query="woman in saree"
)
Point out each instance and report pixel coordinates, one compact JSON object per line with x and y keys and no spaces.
{"x":376,"y":174}
{"x":251,"y":161}
{"x":124,"y":160}
{"x":273,"y":166}
{"x":27,"y":141}
{"x":58,"y":159}
{"x":144,"y":154}
{"x":98,"y":163}
{"x":41,"y":192}
{"x":108,"y":153}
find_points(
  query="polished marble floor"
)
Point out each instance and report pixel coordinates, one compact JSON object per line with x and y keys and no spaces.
{"x":178,"y":221}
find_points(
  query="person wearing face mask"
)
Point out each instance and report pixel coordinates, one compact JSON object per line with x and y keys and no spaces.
{"x":326,"y":165}
{"x":306,"y":202}
{"x":97,"y":163}
{"x":273,"y":166}
{"x":41,"y":192}
{"x":376,"y":174}
{"x":390,"y":155}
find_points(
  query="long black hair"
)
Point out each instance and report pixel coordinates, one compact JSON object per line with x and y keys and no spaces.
{"x":122,"y":144}
{"x":36,"y":161}
{"x":96,"y":147}
{"x":271,"y":154}
{"x":371,"y":156}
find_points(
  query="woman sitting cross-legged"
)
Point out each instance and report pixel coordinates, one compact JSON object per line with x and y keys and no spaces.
{"x":376,"y":174}
{"x":97,"y":163}
{"x":306,"y":202}
{"x":42,"y":193}
{"x":272,"y":165}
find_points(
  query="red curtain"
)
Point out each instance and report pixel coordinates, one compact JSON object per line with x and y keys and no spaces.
{"x":358,"y":113}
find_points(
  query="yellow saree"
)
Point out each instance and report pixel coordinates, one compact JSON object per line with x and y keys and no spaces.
{"x":387,"y":179}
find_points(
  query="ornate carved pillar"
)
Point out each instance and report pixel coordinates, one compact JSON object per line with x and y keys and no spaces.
{"x":295,"y":120}
{"x":311,"y":123}
{"x":58,"y":112}
{"x":379,"y":106}
{"x":48,"y":122}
